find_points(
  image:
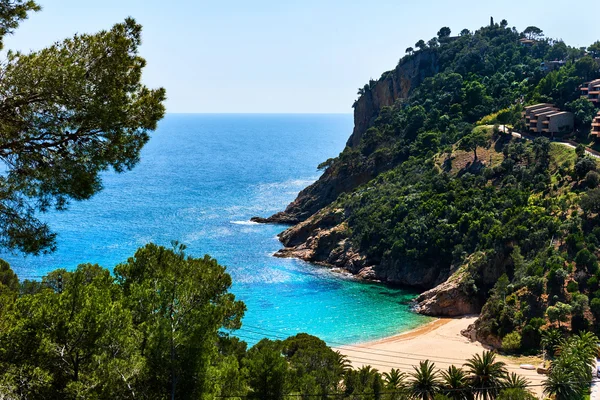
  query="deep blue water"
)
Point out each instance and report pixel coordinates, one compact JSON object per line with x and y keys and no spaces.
{"x":200,"y":179}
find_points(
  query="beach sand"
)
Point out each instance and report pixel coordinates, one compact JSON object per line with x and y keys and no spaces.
{"x":440,"y":342}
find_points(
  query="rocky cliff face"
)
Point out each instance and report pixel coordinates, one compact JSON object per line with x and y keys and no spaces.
{"x":320,"y":234}
{"x":323,"y":239}
{"x":449,"y":299}
{"x":395,"y":85}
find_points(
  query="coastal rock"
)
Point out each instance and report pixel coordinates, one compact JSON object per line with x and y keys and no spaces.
{"x":448,"y":299}
{"x":279,"y":218}
{"x":474,"y":334}
{"x":323,"y":239}
{"x":368,"y":274}
{"x":395,"y":85}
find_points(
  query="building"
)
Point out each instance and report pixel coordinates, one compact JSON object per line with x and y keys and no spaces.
{"x":596,"y":126}
{"x":591,"y":91}
{"x":549,"y":66}
{"x":546,"y":119}
{"x":527,"y":42}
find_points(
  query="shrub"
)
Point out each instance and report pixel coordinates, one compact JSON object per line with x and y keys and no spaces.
{"x":592,"y":179}
{"x":595,"y":307}
{"x":586,"y":260}
{"x":511,"y":342}
{"x":572,"y":287}
{"x":583,"y":166}
{"x":515,"y":394}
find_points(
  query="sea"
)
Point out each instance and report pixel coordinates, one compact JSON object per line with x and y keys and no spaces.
{"x":200,"y":180}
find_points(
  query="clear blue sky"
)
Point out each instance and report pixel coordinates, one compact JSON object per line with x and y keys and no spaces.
{"x":283,"y":55}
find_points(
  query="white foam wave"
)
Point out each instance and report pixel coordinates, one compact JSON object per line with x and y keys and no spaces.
{"x":244,"y":222}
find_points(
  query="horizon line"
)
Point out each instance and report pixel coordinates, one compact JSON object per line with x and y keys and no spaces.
{"x":261,"y":113}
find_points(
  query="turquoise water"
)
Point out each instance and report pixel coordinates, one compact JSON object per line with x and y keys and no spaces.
{"x":200,"y":179}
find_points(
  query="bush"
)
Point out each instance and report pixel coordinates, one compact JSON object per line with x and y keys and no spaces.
{"x":572,"y":287}
{"x":531,"y":337}
{"x":592,"y":179}
{"x":515,"y":394}
{"x":595,"y":307}
{"x":511,"y":342}
{"x":583,"y":166}
{"x":585,"y":259}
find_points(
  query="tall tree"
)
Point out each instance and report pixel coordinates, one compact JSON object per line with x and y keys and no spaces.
{"x":268,"y":375}
{"x":486,"y":375}
{"x":533,"y":32}
{"x":425,"y":383}
{"x":12,"y":12}
{"x":421,"y":45}
{"x":472,"y":141}
{"x":179,"y":303}
{"x":74,"y":338}
{"x":444,"y":33}
{"x":67,"y":113}
{"x":594,"y":49}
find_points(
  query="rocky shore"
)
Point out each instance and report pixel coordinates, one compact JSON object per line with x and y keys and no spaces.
{"x":319,"y":233}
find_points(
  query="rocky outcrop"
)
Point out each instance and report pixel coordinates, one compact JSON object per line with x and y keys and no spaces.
{"x":322,"y":193}
{"x":393,"y":86}
{"x":323,"y":239}
{"x":449,"y":299}
{"x":474,"y":334}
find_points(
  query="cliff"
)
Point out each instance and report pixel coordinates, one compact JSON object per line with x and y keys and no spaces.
{"x":395,"y":85}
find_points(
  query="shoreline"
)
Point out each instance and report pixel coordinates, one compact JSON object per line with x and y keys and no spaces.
{"x":439,"y":341}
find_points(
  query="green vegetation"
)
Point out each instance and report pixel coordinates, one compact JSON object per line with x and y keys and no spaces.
{"x":68,"y":113}
{"x":519,"y":216}
{"x":156,"y":330}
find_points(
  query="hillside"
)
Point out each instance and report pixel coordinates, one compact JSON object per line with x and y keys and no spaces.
{"x":429,"y":193}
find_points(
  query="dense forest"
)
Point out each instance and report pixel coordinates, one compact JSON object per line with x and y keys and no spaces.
{"x":441,"y":191}
{"x":160,"y":327}
{"x":445,"y":192}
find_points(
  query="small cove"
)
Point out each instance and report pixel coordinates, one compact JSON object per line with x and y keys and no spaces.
{"x":200,"y":179}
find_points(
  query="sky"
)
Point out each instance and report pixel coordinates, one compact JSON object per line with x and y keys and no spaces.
{"x":287,"y":56}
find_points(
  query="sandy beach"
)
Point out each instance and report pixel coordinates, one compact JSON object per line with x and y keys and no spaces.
{"x":439,"y":341}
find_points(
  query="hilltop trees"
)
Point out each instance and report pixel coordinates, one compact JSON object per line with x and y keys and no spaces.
{"x":472,"y":141}
{"x":594,"y":49}
{"x":153,"y":332}
{"x":444,"y":33}
{"x":68,"y":112}
{"x":533,"y":32}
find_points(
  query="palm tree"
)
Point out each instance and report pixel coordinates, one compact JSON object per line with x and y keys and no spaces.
{"x":425,"y":383}
{"x":456,"y":384}
{"x":366,"y":375}
{"x":551,"y":339}
{"x":342,"y":363}
{"x":586,"y":344}
{"x":514,"y":381}
{"x":486,"y":375}
{"x":562,"y":385}
{"x":395,"y":383}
